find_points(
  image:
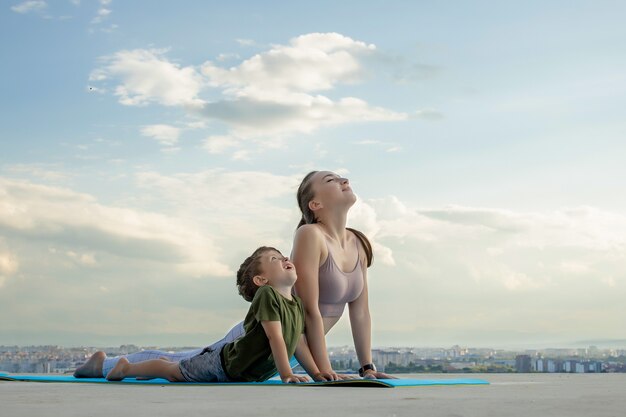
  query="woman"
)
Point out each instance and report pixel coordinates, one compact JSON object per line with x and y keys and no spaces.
{"x":323,"y":249}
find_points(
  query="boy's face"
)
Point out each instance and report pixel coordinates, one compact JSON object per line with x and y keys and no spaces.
{"x":277,"y":269}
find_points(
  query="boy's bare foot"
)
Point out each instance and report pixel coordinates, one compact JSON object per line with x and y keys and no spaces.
{"x":119,"y":371}
{"x":92,"y":368}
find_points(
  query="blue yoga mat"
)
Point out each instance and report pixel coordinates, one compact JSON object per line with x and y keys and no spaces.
{"x":386,"y":383}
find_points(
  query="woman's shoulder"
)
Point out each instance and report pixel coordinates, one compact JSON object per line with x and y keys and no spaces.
{"x":309,"y":245}
{"x":309,"y":232}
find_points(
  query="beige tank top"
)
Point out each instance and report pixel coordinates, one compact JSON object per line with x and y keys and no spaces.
{"x":337,"y":288}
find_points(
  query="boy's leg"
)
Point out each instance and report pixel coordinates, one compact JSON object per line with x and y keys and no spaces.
{"x":205,"y":367}
{"x":145,"y":355}
{"x":158,"y":368}
{"x":109,"y":363}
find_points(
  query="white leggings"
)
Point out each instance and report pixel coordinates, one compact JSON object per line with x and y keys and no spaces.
{"x":145,"y":355}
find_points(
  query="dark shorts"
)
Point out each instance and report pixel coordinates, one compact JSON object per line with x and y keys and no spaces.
{"x":205,"y":366}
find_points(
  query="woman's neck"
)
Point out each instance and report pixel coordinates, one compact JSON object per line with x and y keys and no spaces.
{"x":334,"y":224}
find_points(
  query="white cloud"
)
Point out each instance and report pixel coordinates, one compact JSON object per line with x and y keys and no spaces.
{"x":98,"y":75}
{"x":146,"y":76}
{"x":46,"y":172}
{"x":517,"y":251}
{"x":246,"y":208}
{"x":227,"y":57}
{"x":269,"y":95}
{"x":492,"y":276}
{"x":368,"y":142}
{"x":312,"y":62}
{"x":273,"y":121}
{"x":102,"y":14}
{"x":8,"y":266}
{"x":219,"y":190}
{"x":219,"y":144}
{"x":246,"y":42}
{"x":264,"y":100}
{"x":30,"y":6}
{"x":242,"y":155}
{"x":42,"y":212}
{"x":87,"y":259}
{"x":166,"y":135}
{"x":197,"y":124}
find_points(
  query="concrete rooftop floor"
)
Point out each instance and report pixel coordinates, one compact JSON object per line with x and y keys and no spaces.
{"x":595,"y":395}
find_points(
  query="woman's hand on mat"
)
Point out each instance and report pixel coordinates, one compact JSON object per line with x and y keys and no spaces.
{"x":324,"y":376}
{"x":371,"y":374}
{"x":294,"y":379}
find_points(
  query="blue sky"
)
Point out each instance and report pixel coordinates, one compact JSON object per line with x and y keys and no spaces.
{"x":148,"y":147}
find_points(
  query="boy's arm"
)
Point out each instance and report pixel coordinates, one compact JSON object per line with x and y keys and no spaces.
{"x":274,"y":333}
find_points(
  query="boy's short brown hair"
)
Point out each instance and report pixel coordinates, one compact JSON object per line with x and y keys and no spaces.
{"x":248,"y":269}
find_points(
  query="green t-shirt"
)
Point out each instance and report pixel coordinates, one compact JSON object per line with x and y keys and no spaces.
{"x":249,"y":358}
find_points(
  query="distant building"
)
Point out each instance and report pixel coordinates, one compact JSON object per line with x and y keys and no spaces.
{"x":383,"y":358}
{"x":553,"y":366}
{"x":522,"y":363}
{"x":592,"y":366}
{"x":539,"y":365}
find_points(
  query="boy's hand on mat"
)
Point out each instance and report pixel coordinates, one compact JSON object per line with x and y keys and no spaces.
{"x":347,"y":376}
{"x":294,"y":379}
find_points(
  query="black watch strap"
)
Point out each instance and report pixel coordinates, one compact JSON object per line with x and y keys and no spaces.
{"x":366,"y":367}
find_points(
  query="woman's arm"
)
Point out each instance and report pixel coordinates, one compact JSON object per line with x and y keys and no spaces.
{"x":306,"y":256}
{"x":361,"y":324}
{"x":305,"y":359}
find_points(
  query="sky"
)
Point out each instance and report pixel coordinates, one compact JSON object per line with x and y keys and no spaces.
{"x":148,"y":147}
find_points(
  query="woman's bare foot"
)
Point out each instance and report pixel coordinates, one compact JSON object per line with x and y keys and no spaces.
{"x":119,"y":371}
{"x":92,"y":368}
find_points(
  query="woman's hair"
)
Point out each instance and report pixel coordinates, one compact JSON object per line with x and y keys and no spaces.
{"x":248,"y":270}
{"x":305,"y":195}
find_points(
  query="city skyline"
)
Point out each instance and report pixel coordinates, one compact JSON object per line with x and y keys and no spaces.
{"x":457,"y":359}
{"x":146,"y":151}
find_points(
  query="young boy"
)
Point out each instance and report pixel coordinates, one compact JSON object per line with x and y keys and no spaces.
{"x":274,"y":329}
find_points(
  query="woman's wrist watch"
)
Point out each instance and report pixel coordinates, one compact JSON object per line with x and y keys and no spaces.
{"x":366,"y":367}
